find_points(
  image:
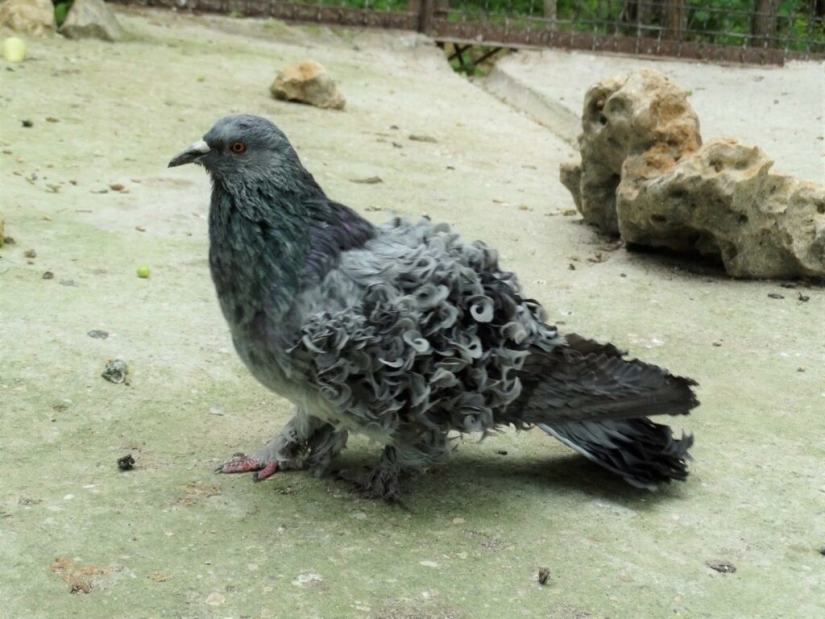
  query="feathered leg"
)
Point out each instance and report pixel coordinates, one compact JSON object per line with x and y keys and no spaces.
{"x":284,"y":453}
{"x":380,"y":482}
{"x":411,"y":451}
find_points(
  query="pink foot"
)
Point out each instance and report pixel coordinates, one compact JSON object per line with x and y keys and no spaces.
{"x":244,"y":464}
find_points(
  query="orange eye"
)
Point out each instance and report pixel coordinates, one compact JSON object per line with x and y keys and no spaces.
{"x":238,"y":147}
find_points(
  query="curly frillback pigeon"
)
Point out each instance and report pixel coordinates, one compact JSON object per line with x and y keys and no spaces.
{"x":404,"y":332}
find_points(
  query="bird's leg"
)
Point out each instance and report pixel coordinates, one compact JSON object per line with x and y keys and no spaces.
{"x":282,"y":453}
{"x":382,"y":481}
{"x":324,"y":446}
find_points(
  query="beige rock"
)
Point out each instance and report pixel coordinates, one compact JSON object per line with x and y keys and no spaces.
{"x":91,"y":19}
{"x":34,"y":17}
{"x":645,"y":175}
{"x":309,"y":83}
{"x":626,"y":115}
{"x":723,"y":201}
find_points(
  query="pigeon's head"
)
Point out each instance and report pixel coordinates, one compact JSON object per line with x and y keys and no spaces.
{"x":242,"y":148}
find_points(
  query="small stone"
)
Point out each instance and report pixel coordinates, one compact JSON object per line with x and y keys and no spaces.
{"x":30,"y":253}
{"x":775,"y":295}
{"x":48,"y":275}
{"x":307,"y":579}
{"x":215,"y":599}
{"x":116,"y":187}
{"x":91,"y":19}
{"x":417,"y":137}
{"x":723,"y":567}
{"x":126,"y":463}
{"x":216,"y":410}
{"x":116,"y":371}
{"x":308,"y":83}
{"x":543,"y":576}
{"x":98,"y":334}
{"x":28,"y":124}
{"x":370,"y":180}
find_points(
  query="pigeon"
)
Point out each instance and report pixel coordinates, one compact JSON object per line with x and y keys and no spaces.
{"x":405,"y":333}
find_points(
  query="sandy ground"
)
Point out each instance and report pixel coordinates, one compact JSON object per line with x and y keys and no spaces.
{"x":80,"y":538}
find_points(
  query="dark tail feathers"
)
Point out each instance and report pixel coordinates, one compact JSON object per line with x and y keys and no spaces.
{"x":596,"y":402}
{"x":643,"y":453}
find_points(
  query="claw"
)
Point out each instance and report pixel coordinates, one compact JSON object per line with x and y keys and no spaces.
{"x":241,"y":463}
{"x":268,"y":470}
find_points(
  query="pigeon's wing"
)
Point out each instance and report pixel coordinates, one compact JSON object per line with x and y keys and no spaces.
{"x":586,"y":380}
{"x":418,"y":327}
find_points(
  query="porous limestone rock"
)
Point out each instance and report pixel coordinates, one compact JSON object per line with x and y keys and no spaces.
{"x":34,"y":17}
{"x":309,"y":83}
{"x":627,"y":115}
{"x":723,"y":201}
{"x":645,"y":175}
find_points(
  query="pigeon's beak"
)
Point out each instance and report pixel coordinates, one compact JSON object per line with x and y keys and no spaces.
{"x":191,"y":154}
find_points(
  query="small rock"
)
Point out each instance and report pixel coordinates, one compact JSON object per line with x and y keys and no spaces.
{"x":543,"y":575}
{"x":775,"y":295}
{"x":415,"y":137}
{"x":48,"y":275}
{"x":33,"y":17}
{"x":91,"y":19}
{"x":126,"y":463}
{"x":307,"y":579}
{"x":308,"y":83}
{"x":116,"y":187}
{"x":216,"y":410}
{"x":116,"y":371}
{"x":98,"y":334}
{"x":370,"y":180}
{"x":723,"y":567}
{"x":215,"y":599}
{"x":28,"y":124}
{"x":804,"y":298}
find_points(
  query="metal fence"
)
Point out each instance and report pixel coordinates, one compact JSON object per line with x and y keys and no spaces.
{"x":750,"y":31}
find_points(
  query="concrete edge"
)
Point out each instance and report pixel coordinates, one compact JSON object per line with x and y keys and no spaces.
{"x":551,"y":114}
